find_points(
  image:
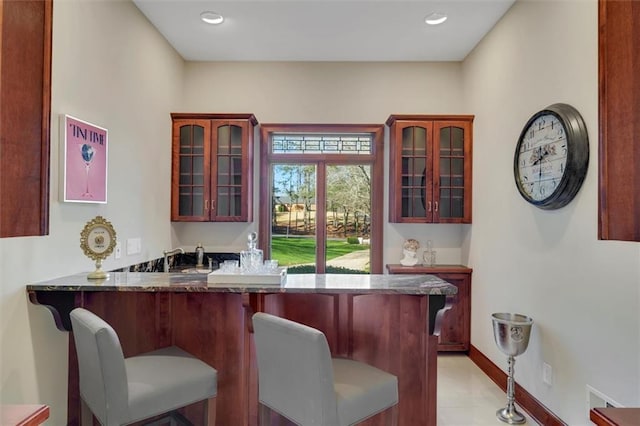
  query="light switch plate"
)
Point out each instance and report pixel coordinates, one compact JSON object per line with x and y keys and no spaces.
{"x":134,"y":246}
{"x":547,"y":374}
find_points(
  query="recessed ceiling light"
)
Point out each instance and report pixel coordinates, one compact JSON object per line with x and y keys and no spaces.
{"x":435,"y":18}
{"x":212,"y":18}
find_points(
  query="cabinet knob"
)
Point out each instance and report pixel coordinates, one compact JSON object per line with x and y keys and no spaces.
{"x":206,"y":205}
{"x":436,"y":206}
{"x":429,"y":206}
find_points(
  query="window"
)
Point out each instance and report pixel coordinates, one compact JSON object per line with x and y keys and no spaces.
{"x":321,"y":197}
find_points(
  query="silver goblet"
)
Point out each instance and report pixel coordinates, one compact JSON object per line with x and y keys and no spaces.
{"x":511,"y":332}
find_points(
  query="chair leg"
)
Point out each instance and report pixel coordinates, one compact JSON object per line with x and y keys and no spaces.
{"x":211,"y":411}
{"x":392,"y":416}
{"x":264,"y":415}
{"x":86,"y":416}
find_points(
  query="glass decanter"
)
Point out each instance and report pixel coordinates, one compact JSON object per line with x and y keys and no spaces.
{"x":251,"y":258}
{"x":429,"y":255}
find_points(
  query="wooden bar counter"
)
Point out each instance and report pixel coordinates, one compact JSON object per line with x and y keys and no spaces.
{"x":390,"y":321}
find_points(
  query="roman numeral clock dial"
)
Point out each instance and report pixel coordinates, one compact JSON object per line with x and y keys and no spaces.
{"x":552,"y":157}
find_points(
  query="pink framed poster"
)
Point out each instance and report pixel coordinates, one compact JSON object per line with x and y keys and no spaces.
{"x":84,"y":161}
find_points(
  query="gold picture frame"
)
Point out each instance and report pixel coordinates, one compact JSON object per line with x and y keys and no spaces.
{"x":98,"y":240}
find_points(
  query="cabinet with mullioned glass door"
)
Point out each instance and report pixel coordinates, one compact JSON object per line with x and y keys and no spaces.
{"x":212,"y":167}
{"x":430,"y":168}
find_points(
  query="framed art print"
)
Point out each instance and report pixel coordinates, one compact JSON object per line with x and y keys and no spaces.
{"x":84,"y":161}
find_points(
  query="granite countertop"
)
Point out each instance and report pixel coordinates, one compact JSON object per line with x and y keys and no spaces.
{"x":295,"y":283}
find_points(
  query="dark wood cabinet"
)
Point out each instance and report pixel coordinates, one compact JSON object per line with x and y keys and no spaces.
{"x":212,"y":167}
{"x":430,"y":168}
{"x":25,"y":109}
{"x":455,"y":328}
{"x":619,"y":107}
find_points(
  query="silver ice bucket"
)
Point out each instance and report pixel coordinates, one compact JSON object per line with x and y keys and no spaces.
{"x":511,"y":332}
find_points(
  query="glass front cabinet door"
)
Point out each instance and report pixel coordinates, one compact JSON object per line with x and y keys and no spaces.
{"x":430,"y":168}
{"x":212,"y":164}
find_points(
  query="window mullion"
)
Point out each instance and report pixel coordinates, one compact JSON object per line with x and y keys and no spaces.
{"x":321,"y":217}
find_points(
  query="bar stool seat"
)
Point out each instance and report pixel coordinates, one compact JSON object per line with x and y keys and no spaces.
{"x":121,"y":391}
{"x":298,"y":379}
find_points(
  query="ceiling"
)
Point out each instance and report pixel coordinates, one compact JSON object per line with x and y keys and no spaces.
{"x":324,"y":30}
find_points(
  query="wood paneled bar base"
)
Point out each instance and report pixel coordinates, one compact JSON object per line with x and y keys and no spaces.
{"x":389,"y":321}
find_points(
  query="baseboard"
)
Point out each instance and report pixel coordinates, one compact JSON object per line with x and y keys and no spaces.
{"x":524,"y":399}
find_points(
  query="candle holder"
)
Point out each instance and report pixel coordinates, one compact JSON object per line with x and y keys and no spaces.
{"x":511,"y":332}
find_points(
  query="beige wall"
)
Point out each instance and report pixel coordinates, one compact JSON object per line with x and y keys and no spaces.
{"x":321,"y":92}
{"x":583,"y":294}
{"x":106,"y":58}
{"x":110,"y":67}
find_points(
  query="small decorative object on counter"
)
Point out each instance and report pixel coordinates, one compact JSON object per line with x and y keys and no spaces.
{"x":251,"y":259}
{"x":410,"y":252}
{"x":200,"y":256}
{"x":429,"y":255}
{"x":97,"y":241}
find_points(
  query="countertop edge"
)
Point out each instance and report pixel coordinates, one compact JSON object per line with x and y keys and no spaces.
{"x":195,"y":283}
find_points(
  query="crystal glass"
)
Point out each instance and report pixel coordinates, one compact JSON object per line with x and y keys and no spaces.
{"x":229,"y":267}
{"x":271,"y":266}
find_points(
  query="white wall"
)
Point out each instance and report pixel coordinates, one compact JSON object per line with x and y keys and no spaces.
{"x":321,"y":92}
{"x":583,"y":294}
{"x":111,"y":68}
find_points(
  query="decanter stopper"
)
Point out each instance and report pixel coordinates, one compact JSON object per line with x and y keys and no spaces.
{"x":252,"y":239}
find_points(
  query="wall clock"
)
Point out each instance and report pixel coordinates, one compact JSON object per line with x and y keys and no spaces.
{"x":97,"y":240}
{"x":552,"y":157}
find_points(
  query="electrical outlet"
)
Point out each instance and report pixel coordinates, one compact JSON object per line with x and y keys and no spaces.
{"x":547,"y":374}
{"x":118,"y":251}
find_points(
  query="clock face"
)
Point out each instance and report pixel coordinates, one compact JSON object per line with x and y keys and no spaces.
{"x":99,"y":239}
{"x":542,"y":157}
{"x":552,"y":157}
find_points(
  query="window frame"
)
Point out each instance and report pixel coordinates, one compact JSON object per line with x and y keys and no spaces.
{"x":375,"y":160}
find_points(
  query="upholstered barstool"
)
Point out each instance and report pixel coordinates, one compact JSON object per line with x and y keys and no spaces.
{"x":298,"y":379}
{"x":119,"y":391}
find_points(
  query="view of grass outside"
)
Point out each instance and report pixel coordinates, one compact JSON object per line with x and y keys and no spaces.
{"x":347,"y":205}
{"x":299,"y":251}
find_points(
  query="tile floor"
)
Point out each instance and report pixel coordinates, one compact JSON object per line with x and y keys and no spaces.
{"x":466,"y":396}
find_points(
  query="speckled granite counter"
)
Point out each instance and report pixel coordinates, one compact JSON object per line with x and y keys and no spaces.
{"x":390,"y":321}
{"x":297,"y":283}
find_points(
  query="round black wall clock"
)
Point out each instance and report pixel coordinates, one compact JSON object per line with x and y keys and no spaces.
{"x":552,"y":157}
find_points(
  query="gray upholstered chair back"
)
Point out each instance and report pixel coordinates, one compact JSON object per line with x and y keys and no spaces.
{"x":103,"y":377}
{"x":295,"y":373}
